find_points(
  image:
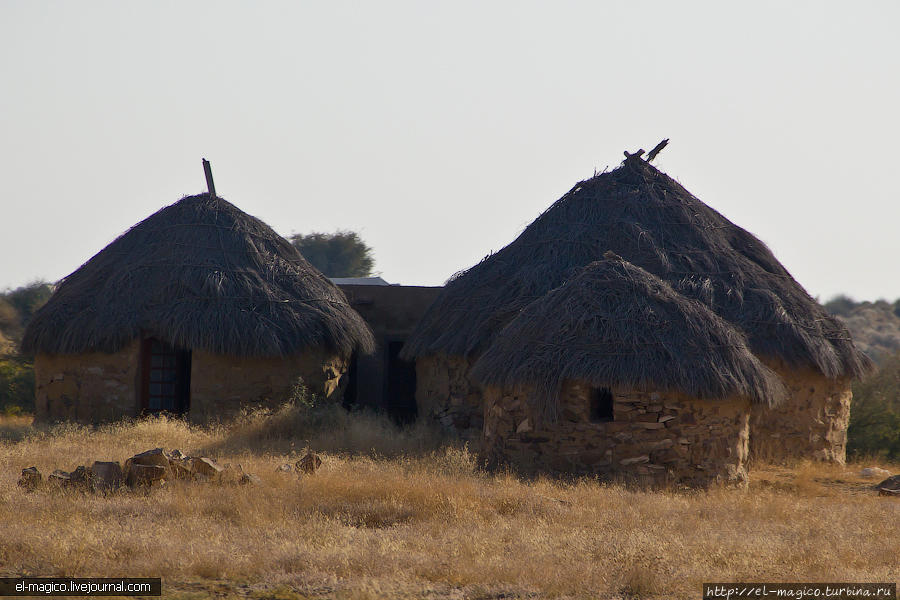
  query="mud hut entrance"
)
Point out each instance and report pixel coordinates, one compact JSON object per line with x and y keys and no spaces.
{"x":165,"y":377}
{"x":400,"y":385}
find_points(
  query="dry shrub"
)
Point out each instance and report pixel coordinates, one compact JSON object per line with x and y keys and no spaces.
{"x":427,"y":522}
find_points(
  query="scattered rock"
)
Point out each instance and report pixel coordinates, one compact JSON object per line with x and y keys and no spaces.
{"x":146,"y":474}
{"x":107,"y":476}
{"x":309,"y":463}
{"x":874,"y":472}
{"x":524,"y":426}
{"x":80,"y":477}
{"x":205,"y":467}
{"x":30,"y":479}
{"x":59,"y":477}
{"x":249,"y":479}
{"x":156,"y":457}
{"x":890,"y":486}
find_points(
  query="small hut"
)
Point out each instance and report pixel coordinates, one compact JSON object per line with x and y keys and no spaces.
{"x":614,"y":373}
{"x":199,"y":309}
{"x":653,"y":222}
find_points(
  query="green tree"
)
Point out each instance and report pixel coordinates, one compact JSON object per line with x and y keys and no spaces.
{"x":16,"y":385}
{"x":841,"y":305}
{"x":27,"y":299}
{"x":875,"y":413}
{"x":338,"y":254}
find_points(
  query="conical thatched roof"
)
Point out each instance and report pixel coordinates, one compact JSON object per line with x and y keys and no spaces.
{"x":200,"y":274}
{"x":650,"y":220}
{"x":615,"y":324}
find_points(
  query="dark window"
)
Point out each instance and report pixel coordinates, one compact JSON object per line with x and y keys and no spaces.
{"x":601,"y":405}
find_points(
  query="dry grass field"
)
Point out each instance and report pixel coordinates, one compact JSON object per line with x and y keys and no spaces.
{"x":400,"y":514}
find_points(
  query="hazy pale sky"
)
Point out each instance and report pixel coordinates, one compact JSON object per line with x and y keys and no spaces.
{"x":439,"y":130}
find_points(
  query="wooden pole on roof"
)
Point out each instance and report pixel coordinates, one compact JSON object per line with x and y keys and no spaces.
{"x":209,"y":180}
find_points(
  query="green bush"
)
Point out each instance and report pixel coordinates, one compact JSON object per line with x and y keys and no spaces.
{"x":16,"y":386}
{"x":875,"y":413}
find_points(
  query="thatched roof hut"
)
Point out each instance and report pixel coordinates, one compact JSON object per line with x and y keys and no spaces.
{"x":649,"y":219}
{"x":615,"y":325}
{"x":201,"y":274}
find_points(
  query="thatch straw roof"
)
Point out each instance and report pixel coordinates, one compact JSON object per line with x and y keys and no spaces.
{"x":649,"y":219}
{"x":200,"y":274}
{"x":615,"y":324}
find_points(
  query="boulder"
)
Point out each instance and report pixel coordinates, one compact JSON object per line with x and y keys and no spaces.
{"x":285,"y":468}
{"x":139,"y":474}
{"x":890,"y":486}
{"x":874,"y":472}
{"x":156,"y":457}
{"x":30,"y":479}
{"x":80,"y":477}
{"x":60,"y":478}
{"x":107,"y":476}
{"x":249,"y":479}
{"x":309,"y":463}
{"x":205,"y":467}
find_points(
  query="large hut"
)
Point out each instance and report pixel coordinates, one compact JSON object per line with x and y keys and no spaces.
{"x":653,"y":222}
{"x":615,"y":373}
{"x":199,"y":309}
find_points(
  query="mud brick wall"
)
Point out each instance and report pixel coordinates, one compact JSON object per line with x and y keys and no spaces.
{"x":87,"y":388}
{"x":445,"y":393}
{"x":223,"y":385}
{"x":655,"y":437}
{"x":811,"y":423}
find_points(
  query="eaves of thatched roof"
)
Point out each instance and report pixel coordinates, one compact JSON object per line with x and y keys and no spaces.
{"x":614,"y":324}
{"x":200,"y":274}
{"x":651,"y":221}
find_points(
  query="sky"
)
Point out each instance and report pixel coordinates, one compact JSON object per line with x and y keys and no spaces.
{"x":440,"y":130}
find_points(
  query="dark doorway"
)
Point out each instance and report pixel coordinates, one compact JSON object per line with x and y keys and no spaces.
{"x":601,"y":405}
{"x":351,"y":391}
{"x":400,"y":385}
{"x":165,"y":377}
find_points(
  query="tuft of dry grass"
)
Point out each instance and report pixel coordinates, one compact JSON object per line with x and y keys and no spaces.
{"x":401,"y":514}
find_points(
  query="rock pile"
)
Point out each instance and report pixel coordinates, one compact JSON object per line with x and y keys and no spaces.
{"x":889,"y":487}
{"x":152,"y":468}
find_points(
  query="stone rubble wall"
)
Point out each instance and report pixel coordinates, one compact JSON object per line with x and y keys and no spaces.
{"x":223,"y":385}
{"x":445,"y":393}
{"x":92,"y":387}
{"x":98,"y":387}
{"x":655,"y":437}
{"x":811,"y":423}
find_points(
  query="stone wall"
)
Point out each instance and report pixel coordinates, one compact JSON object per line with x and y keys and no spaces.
{"x":88,"y":388}
{"x":444,"y":392}
{"x":222,"y":385}
{"x":98,"y":387}
{"x":654,"y":437}
{"x":811,"y":423}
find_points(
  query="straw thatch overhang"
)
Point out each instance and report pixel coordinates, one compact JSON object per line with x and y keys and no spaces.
{"x":650,"y":220}
{"x":615,"y":325}
{"x":200,"y":274}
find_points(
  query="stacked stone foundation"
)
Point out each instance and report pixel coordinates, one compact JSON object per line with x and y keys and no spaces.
{"x":445,"y":393}
{"x":99,"y":387}
{"x":654,"y":437}
{"x":810,"y":424}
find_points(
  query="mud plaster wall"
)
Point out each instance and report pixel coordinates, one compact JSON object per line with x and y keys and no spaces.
{"x":654,"y":437}
{"x":444,"y":392}
{"x":811,"y":423}
{"x":223,"y":385}
{"x":89,"y":388}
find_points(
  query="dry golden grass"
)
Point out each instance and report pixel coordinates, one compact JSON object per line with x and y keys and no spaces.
{"x":399,"y":514}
